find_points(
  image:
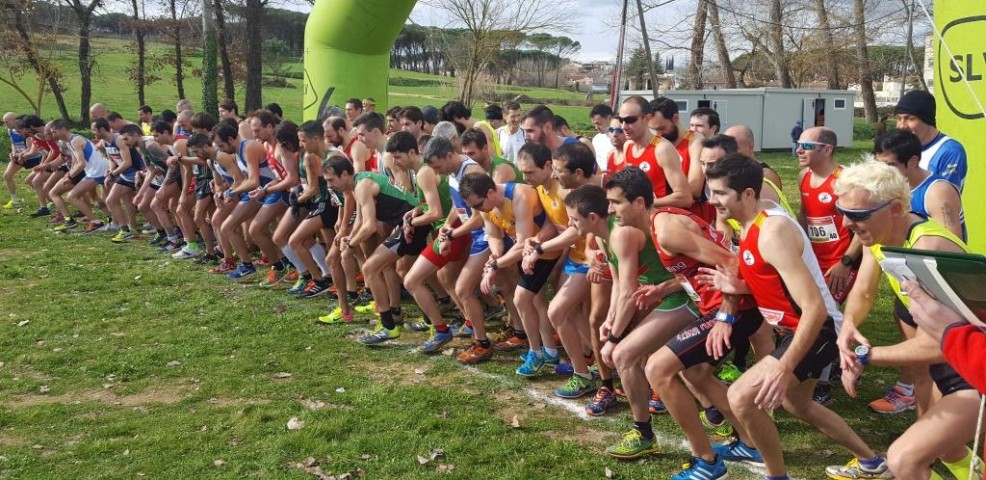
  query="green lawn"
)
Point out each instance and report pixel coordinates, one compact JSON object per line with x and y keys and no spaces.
{"x":117,"y":362}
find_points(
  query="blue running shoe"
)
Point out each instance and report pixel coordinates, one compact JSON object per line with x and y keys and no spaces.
{"x":241,"y":272}
{"x":698,"y":469}
{"x":655,"y":405}
{"x":564,"y":369}
{"x":436,"y":342}
{"x":604,"y":401}
{"x":551,"y":359}
{"x":532,"y":364}
{"x":738,"y":451}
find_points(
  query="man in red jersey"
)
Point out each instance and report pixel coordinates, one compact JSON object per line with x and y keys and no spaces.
{"x":783,"y":276}
{"x":654,"y":155}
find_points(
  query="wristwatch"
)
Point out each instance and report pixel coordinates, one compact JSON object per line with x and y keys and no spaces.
{"x":847,"y":260}
{"x":539,"y":249}
{"x":725,"y":317}
{"x":613,"y":338}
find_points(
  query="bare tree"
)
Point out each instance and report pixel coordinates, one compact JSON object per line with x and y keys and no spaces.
{"x":777,"y":40}
{"x":229,"y":88}
{"x":488,"y":23}
{"x":83,"y":15}
{"x":720,"y":40}
{"x":863,"y":62}
{"x":911,"y":55}
{"x":19,"y":52}
{"x":254,"y":63}
{"x":831,"y":59}
{"x":698,"y":45}
{"x":651,"y":71}
{"x":210,"y":74}
{"x":138,"y":73}
{"x":176,"y":35}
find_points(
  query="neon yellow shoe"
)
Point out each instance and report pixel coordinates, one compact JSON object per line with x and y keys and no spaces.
{"x":962,"y":467}
{"x":381,"y":335}
{"x":336,"y":316}
{"x":12,"y":204}
{"x":367,"y":308}
{"x":724,"y":429}
{"x":631,"y":446}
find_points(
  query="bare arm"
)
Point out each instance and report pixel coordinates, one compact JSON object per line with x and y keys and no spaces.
{"x":626,"y":243}
{"x":255,"y":155}
{"x":361,"y":154}
{"x":125,"y":160}
{"x":291,"y":167}
{"x":696,"y":179}
{"x":428,"y":183}
{"x":364,"y":195}
{"x":944,"y":205}
{"x":670,"y":162}
{"x":312,"y":189}
{"x":525,"y":204}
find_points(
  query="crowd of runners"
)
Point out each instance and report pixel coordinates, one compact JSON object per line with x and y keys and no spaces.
{"x":649,"y":253}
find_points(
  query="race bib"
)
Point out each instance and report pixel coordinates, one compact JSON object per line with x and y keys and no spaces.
{"x":822,"y":229}
{"x":689,"y":290}
{"x":772,"y":317}
{"x":463,"y":214}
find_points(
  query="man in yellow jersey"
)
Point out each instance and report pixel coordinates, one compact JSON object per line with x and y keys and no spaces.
{"x":874,"y":198}
{"x":571,"y":166}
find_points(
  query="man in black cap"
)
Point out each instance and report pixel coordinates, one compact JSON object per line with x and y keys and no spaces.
{"x":942,"y":155}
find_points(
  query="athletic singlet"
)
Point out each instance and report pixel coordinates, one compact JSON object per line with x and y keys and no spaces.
{"x":650,"y":270}
{"x":829,"y":235}
{"x":265,"y":172}
{"x":392,"y":203}
{"x":274,"y":164}
{"x":923,"y":228}
{"x":508,"y":223}
{"x":647,"y":161}
{"x":96,"y":163}
{"x":945,"y":157}
{"x":766,"y":285}
{"x":17,"y":143}
{"x":444,"y":196}
{"x":461,"y":209}
{"x":182,"y":131}
{"x":919,"y":200}
{"x":497,"y":149}
{"x":554,"y":209}
{"x":685,"y":268}
{"x":686,"y":155}
{"x":371,"y":163}
{"x":136,"y":159}
{"x":42,"y":146}
{"x":611,"y":165}
{"x":497,"y":161}
{"x":323,"y":187}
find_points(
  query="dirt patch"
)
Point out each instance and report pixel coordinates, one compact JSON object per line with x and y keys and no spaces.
{"x":8,"y":440}
{"x":237,"y":402}
{"x":152,"y":395}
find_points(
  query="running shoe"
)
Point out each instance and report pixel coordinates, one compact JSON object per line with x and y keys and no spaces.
{"x":722,"y":429}
{"x":728,"y":373}
{"x":632,"y":446}
{"x":190,"y":250}
{"x":336,"y":315}
{"x":56,"y":219}
{"x":576,"y":386}
{"x":604,"y":401}
{"x":241,"y":272}
{"x":169,"y":247}
{"x":122,"y":236}
{"x":148,"y":229}
{"x":699,"y":469}
{"x":94,"y":227}
{"x":274,"y":276}
{"x":893,"y":402}
{"x":110,"y":227}
{"x":494,"y":311}
{"x":224,"y":267}
{"x":969,"y":467}
{"x":737,"y":451}
{"x":299,"y":286}
{"x":465,"y":331}
{"x":855,"y":470}
{"x":532,"y":364}
{"x":292,"y":275}
{"x":476,"y":353}
{"x":549,"y":359}
{"x":42,"y":212}
{"x":365,"y":296}
{"x":264,"y":261}
{"x":436,"y":342}
{"x":207,"y":260}
{"x":655,"y":405}
{"x":512,"y":344}
{"x":158,"y":240}
{"x":366,"y":308}
{"x":381,"y":335}
{"x":564,"y":369}
{"x":315,"y":288}
{"x":67,"y":225}
{"x":418,"y":326}
{"x":77,"y":214}
{"x":822,"y":394}
{"x":12,"y":204}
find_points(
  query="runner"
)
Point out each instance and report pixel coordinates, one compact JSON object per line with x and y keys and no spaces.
{"x":275,"y":193}
{"x":27,"y":129}
{"x":413,"y":122}
{"x":875,"y":200}
{"x":91,"y":164}
{"x":121,"y":178}
{"x":747,"y":146}
{"x":790,"y":291}
{"x":18,"y":145}
{"x":510,"y":134}
{"x":654,"y":155}
{"x":201,"y":123}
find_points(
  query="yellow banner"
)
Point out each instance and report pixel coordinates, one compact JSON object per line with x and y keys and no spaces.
{"x":960,"y":93}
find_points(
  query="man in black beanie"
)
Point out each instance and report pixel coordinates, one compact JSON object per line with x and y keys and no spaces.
{"x":942,"y":155}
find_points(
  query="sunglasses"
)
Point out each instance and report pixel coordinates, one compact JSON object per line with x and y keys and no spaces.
{"x":860,"y":215}
{"x":478,"y":205}
{"x":631,"y":119}
{"x":616,"y":130}
{"x":809,"y":146}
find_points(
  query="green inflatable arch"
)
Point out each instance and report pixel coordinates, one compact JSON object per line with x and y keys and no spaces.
{"x":347,"y":51}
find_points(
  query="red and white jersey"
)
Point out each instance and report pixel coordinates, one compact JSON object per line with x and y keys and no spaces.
{"x":647,"y":161}
{"x":372,"y":163}
{"x":829,"y":235}
{"x":766,"y":285}
{"x":275,"y":165}
{"x":682,"y":147}
{"x":685,"y":268}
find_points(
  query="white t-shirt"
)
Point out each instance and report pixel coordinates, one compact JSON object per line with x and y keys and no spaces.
{"x":510,"y":143}
{"x":602,"y":145}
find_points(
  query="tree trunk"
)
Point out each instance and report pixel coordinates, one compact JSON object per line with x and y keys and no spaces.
{"x":179,"y":73}
{"x":698,"y":45}
{"x":141,"y":54}
{"x":85,"y":63}
{"x":726,"y":64}
{"x":210,"y":74}
{"x":43,"y":68}
{"x":229,"y":87}
{"x":863,"y":62}
{"x":650,"y":58}
{"x":777,"y":38}
{"x":254,"y":62}
{"x":911,"y":54}
{"x":831,"y":60}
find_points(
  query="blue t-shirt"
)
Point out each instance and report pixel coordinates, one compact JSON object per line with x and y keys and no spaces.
{"x":945,"y":158}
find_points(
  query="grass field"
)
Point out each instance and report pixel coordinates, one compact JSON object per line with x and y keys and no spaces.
{"x":117,"y":362}
{"x":112,"y":86}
